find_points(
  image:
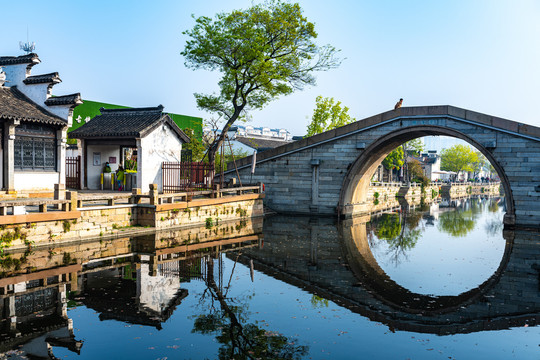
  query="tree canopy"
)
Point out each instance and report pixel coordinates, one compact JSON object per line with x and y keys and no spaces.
{"x":394,"y":160}
{"x":195,"y":145}
{"x":480,"y":164}
{"x":328,"y":115}
{"x":414,"y":147}
{"x":263,"y":52}
{"x":458,"y":158}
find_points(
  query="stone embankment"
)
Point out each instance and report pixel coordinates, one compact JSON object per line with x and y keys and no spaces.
{"x":454,"y":190}
{"x":77,"y":218}
{"x":387,"y":196}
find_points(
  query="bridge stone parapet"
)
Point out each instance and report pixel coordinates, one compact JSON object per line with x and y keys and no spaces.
{"x":330,"y":173}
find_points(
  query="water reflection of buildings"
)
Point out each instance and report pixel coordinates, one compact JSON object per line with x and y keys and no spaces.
{"x":34,"y":312}
{"x":135,"y":280}
{"x":445,"y":205}
{"x":345,"y":271}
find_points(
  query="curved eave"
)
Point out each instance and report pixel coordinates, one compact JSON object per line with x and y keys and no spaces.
{"x":65,"y":100}
{"x":74,"y":135}
{"x":58,"y":121}
{"x":52,"y":78}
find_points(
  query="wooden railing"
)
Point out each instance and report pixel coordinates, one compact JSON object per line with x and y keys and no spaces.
{"x":24,"y":206}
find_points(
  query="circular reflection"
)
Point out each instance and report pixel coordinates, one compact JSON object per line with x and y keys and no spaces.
{"x":429,"y":260}
{"x":447,"y":249}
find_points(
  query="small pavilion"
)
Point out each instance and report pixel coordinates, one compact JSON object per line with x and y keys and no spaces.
{"x":139,"y":139}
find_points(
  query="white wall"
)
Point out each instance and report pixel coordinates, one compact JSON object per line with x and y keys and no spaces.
{"x":94,"y":172}
{"x":156,"y":292}
{"x":160,"y":145}
{"x":73,"y":152}
{"x":37,"y":93}
{"x":15,"y":74}
{"x":36,"y":180}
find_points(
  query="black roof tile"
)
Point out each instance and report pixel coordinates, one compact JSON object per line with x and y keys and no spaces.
{"x":43,"y":79}
{"x":72,"y":99}
{"x":23,"y":59}
{"x":260,"y":144}
{"x":125,"y":123}
{"x":14,"y":105}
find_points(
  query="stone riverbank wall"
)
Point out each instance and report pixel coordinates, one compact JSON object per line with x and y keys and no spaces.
{"x":461,"y":190}
{"x":125,"y":243}
{"x":386,"y":196}
{"x":98,"y":221}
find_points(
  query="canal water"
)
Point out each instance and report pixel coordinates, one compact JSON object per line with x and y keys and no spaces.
{"x":444,"y":281}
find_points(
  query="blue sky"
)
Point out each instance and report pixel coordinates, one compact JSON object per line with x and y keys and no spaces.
{"x":482,"y":55}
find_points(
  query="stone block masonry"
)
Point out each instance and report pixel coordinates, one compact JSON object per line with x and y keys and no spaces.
{"x":56,"y":254}
{"x":330,"y":173}
{"x":106,"y":221}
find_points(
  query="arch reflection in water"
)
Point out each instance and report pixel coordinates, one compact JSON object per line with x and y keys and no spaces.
{"x":444,"y":249}
{"x":344,"y":270}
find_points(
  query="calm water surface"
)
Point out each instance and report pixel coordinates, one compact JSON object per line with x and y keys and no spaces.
{"x":442,"y":282}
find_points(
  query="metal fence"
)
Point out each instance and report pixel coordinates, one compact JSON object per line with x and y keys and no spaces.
{"x":186,"y":176}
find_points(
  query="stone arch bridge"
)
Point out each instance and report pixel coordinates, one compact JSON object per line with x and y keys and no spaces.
{"x":329,"y":173}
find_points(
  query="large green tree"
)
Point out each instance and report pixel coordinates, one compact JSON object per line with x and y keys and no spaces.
{"x":328,"y":115}
{"x":195,"y":145}
{"x":480,"y":164}
{"x":263,"y":52}
{"x":458,"y":158}
{"x":414,"y":147}
{"x":394,"y":160}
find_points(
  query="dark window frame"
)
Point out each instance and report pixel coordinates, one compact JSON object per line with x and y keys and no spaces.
{"x":35,"y":139}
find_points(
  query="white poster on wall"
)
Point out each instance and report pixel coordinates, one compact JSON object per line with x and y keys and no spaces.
{"x":97,"y":159}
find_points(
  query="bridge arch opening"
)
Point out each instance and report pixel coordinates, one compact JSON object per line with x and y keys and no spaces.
{"x":355,"y":185}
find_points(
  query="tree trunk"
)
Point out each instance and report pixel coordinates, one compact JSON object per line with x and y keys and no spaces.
{"x":216,"y":144}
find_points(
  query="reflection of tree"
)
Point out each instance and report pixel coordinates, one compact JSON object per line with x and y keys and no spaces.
{"x":240,"y":340}
{"x":494,"y":227}
{"x":400,"y":234}
{"x":493,"y":205}
{"x":457,"y":223}
{"x":318,"y":302}
{"x":387,"y":226}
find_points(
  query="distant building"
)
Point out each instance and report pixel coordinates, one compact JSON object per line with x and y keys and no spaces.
{"x":246,"y":139}
{"x":250,"y":131}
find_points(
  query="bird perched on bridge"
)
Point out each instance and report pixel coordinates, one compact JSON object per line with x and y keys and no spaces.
{"x":398,"y":104}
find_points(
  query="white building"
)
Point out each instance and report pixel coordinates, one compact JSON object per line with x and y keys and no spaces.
{"x":140,"y":139}
{"x":33,"y":127}
{"x":250,"y":131}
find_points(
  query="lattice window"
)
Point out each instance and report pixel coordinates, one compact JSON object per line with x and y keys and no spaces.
{"x":34,"y":153}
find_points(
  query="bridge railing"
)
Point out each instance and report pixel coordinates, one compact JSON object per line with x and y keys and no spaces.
{"x":393,"y":184}
{"x":485,"y":183}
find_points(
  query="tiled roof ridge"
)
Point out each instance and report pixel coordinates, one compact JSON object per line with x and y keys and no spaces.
{"x":70,"y":99}
{"x":156,"y":109}
{"x":23,"y":59}
{"x":43,"y":78}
